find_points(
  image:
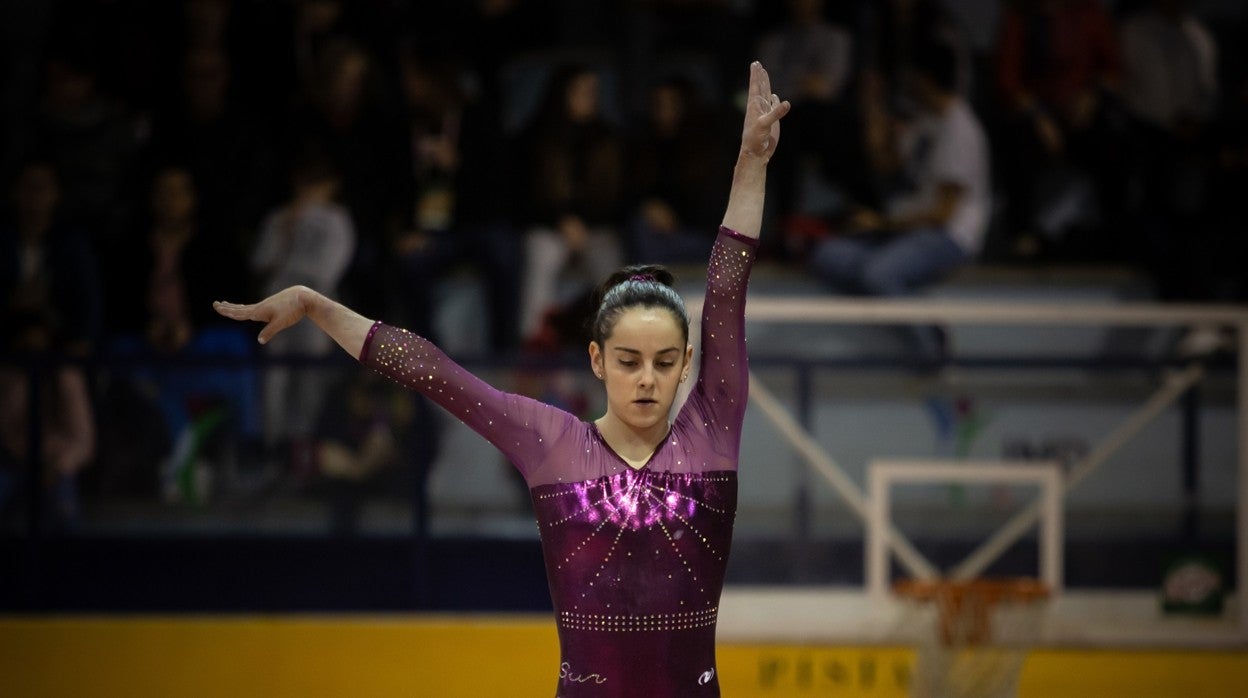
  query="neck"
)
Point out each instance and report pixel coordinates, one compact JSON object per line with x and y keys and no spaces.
{"x":940,"y":102}
{"x":629,"y":442}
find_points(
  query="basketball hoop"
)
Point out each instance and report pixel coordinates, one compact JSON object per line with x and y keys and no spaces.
{"x":976,"y":633}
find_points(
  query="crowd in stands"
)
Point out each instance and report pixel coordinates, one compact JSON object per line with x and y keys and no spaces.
{"x":160,"y":155}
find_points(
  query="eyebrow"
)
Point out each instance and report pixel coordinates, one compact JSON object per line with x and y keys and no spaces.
{"x":638,"y":351}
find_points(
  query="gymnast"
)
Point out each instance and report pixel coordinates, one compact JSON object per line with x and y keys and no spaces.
{"x":635,"y":508}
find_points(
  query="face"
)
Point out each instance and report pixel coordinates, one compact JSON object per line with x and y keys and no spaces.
{"x":173,"y":195}
{"x":36,"y":190}
{"x":642,"y":364}
{"x":206,"y":79}
{"x":582,"y":97}
{"x":667,"y":108}
{"x":347,"y":82}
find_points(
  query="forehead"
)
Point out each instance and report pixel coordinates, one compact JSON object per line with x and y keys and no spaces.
{"x":646,"y":328}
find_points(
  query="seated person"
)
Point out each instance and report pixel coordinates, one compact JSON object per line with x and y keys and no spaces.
{"x":935,"y":220}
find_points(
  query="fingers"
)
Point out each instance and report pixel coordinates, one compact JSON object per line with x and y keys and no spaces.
{"x":775,"y":111}
{"x":267,"y":333}
{"x":236,"y":311}
{"x":778,"y":110}
{"x":760,"y":81}
{"x":233,"y":311}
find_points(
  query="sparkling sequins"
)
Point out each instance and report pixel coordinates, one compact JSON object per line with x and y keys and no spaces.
{"x":684,"y":620}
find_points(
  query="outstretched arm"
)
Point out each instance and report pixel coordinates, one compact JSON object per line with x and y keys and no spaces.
{"x":761,"y":132}
{"x":288,"y":306}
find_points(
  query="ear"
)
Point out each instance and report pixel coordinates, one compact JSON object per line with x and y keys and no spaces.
{"x":595,"y":360}
{"x":688,"y":362}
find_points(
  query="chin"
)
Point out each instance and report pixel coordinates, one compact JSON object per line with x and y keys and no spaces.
{"x":648,"y":418}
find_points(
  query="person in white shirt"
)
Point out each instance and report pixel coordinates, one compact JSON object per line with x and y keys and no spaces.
{"x":936,"y":221}
{"x":309,"y":240}
{"x":1170,"y":60}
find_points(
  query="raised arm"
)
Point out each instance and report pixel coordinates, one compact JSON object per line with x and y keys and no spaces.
{"x":719,"y":396}
{"x":759,"y":136}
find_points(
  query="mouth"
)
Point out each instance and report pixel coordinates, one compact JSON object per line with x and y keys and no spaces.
{"x":645,"y":401}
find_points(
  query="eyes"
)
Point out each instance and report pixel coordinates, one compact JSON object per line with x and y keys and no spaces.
{"x":633,"y":363}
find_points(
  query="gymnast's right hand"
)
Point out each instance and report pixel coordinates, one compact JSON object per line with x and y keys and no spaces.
{"x":277,"y":312}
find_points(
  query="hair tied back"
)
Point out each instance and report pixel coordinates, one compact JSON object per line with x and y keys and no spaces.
{"x":642,"y":277}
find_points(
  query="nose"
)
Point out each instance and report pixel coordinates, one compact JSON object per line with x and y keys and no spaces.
{"x":647,"y":376}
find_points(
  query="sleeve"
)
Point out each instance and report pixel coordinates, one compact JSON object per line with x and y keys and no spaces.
{"x":522,"y":428}
{"x":720,"y":394}
{"x":955,"y":154}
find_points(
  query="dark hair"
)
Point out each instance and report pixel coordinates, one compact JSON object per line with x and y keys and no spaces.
{"x":644,"y":286}
{"x":938,"y":61}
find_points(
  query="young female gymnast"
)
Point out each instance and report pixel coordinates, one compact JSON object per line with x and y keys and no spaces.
{"x":635,"y":509}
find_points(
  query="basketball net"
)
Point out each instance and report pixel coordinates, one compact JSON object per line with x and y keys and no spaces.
{"x":975,"y":634}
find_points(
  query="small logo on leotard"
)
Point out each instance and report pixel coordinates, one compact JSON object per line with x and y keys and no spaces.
{"x":706,"y":677}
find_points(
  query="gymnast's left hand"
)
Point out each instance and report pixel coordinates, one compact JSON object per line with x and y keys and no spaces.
{"x":763,"y":111}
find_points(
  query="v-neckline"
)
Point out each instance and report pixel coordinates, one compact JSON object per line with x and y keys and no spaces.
{"x":635,"y":468}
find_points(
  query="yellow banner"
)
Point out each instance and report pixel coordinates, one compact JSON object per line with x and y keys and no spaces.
{"x":475,"y":657}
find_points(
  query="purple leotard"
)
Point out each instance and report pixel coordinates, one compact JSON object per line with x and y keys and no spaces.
{"x":635,"y":557}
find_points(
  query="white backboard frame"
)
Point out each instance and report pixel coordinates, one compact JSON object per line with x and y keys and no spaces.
{"x":883,"y":475}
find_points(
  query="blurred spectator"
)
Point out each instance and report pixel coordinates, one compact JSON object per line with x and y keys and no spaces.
{"x":501,"y":30}
{"x":67,"y":435}
{"x":49,"y":273}
{"x":1212,"y":249}
{"x":23,"y":32}
{"x":1171,"y":90}
{"x":179,"y":255}
{"x":314,"y":24}
{"x":893,"y":33}
{"x":307,"y":240}
{"x":807,"y":56}
{"x":1170,"y":61}
{"x":50,"y":290}
{"x":223,"y":142}
{"x":374,"y":440}
{"x":889,"y":37}
{"x":458,"y":200}
{"x":711,"y":39}
{"x":935,"y":222}
{"x":163,"y":315}
{"x":1226,"y":278}
{"x":89,"y":137}
{"x":347,"y":116}
{"x":674,"y":206}
{"x":572,"y":162}
{"x":811,"y":59}
{"x":1063,"y":138}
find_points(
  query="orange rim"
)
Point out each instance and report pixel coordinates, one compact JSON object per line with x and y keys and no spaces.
{"x":965,"y":606}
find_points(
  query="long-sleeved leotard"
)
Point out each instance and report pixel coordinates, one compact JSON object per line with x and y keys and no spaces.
{"x":635,"y":557}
